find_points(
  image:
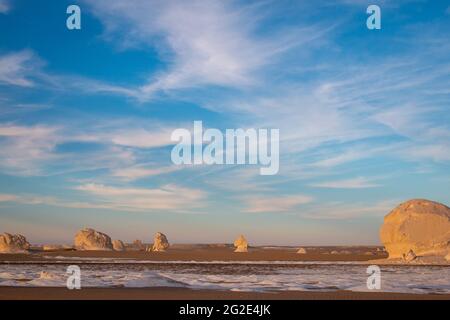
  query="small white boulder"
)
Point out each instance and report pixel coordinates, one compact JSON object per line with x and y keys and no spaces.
{"x":241,"y":244}
{"x":160,"y":242}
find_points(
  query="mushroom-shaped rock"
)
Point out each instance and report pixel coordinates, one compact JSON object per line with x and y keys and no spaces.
{"x":118,"y":245}
{"x":13,"y":243}
{"x":89,"y":239}
{"x":301,"y":251}
{"x":160,"y":242}
{"x":422,"y":226}
{"x":241,"y":244}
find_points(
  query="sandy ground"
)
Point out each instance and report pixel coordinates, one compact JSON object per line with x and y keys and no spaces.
{"x":198,"y":253}
{"x":202,"y":253}
{"x":165,"y":293}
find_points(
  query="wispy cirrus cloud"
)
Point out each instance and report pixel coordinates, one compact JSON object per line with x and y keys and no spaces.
{"x":41,"y":149}
{"x":204,"y":42}
{"x":169,"y":198}
{"x":16,"y":67}
{"x":138,"y":172}
{"x":25,"y":148}
{"x":275,"y":204}
{"x":355,"y":183}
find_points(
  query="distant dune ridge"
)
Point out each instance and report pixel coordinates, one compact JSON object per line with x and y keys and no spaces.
{"x":13,"y":243}
{"x":417,"y":228}
{"x":241,"y":244}
{"x":90,"y":239}
{"x":160,"y":243}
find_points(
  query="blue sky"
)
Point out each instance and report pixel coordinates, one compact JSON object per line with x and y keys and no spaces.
{"x":86,"y":117}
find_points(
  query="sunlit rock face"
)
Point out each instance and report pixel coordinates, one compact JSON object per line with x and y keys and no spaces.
{"x":13,"y":243}
{"x":241,"y":244}
{"x":301,"y":251}
{"x":118,"y":245}
{"x":160,"y":242}
{"x":90,"y":239}
{"x":420,"y":226}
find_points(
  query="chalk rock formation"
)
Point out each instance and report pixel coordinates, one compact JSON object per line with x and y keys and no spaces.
{"x":410,"y":256}
{"x":422,"y":226}
{"x":241,"y":244}
{"x":160,"y":242}
{"x":301,"y":251}
{"x":89,"y":239}
{"x":16,"y":243}
{"x":118,"y":245}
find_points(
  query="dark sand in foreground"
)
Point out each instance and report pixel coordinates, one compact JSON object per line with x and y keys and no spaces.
{"x":165,"y":293}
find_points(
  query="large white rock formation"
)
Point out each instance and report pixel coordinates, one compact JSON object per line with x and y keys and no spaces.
{"x":89,"y":239}
{"x":13,"y":243}
{"x":420,"y":226}
{"x":160,"y":242}
{"x":241,"y":244}
{"x":118,"y":245}
{"x":301,"y":251}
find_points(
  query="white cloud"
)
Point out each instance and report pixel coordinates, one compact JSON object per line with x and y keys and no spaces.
{"x":7,"y":197}
{"x":170,"y":197}
{"x":33,"y":149}
{"x":259,"y":204}
{"x":25,"y":148}
{"x":142,"y":138}
{"x":16,"y":67}
{"x":356,"y":183}
{"x":138,"y":172}
{"x":438,"y":152}
{"x":203,"y":42}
